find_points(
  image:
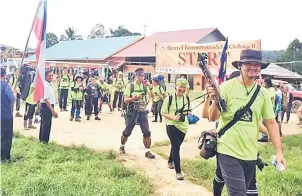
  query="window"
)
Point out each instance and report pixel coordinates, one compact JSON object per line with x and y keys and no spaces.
{"x":147,"y":76}
{"x":130,"y":76}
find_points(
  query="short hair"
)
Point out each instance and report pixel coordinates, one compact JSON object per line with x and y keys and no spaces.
{"x":47,"y":72}
{"x":3,"y":72}
{"x":268,"y":82}
{"x":139,"y":70}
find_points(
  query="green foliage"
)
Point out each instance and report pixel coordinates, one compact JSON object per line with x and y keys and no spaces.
{"x":39,"y":169}
{"x":269,"y":181}
{"x":293,"y":53}
{"x":97,"y":32}
{"x":51,"y":39}
{"x":70,"y":34}
{"x":272,"y":56}
{"x":121,"y":31}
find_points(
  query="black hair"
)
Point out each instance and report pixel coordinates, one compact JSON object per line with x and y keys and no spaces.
{"x":3,"y":72}
{"x":268,"y":82}
{"x":47,"y":72}
{"x":139,"y":69}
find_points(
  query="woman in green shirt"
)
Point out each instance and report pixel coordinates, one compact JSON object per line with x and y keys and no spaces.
{"x":30,"y":107}
{"x":77,"y":89}
{"x":177,"y":123}
{"x":159,"y":95}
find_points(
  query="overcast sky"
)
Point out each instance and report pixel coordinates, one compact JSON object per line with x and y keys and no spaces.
{"x":275,"y":22}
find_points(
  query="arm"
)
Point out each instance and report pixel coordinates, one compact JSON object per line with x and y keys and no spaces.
{"x":262,"y":128}
{"x":272,"y":129}
{"x":205,"y":108}
{"x":213,"y":112}
{"x":9,"y":93}
{"x":165,"y":113}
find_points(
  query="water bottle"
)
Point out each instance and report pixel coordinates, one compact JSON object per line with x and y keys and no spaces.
{"x":279,"y":166}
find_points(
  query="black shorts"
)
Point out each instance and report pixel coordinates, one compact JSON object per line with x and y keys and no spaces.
{"x":106,"y":98}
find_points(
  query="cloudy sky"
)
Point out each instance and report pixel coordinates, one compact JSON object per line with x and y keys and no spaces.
{"x":275,"y":22}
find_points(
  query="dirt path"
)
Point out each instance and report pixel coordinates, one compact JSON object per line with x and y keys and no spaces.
{"x":105,"y":135}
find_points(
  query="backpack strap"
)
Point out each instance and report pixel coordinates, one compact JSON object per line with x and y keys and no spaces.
{"x":188,"y":103}
{"x":170,"y":102}
{"x":131,"y":88}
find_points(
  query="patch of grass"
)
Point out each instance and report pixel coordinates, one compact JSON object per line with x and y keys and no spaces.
{"x":269,"y":181}
{"x":38,"y":169}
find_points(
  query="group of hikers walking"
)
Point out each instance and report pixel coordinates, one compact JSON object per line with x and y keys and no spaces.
{"x":250,"y":108}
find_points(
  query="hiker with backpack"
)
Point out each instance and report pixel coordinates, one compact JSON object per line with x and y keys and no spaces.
{"x":77,"y":89}
{"x":30,"y":107}
{"x":64,"y":82}
{"x":14,"y":84}
{"x":135,"y":97}
{"x":93,"y":94}
{"x":119,"y":85}
{"x":159,"y":96}
{"x":237,"y":144}
{"x":173,"y":110}
{"x":107,"y":94}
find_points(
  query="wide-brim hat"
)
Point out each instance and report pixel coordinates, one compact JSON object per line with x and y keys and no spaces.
{"x":250,"y":56}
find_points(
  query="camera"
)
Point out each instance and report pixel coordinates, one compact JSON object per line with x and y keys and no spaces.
{"x":182,"y":117}
{"x":260,"y":163}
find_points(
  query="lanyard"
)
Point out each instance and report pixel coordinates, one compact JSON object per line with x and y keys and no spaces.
{"x":183,"y":102}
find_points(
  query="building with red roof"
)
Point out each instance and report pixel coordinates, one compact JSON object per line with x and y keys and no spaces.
{"x":142,"y":53}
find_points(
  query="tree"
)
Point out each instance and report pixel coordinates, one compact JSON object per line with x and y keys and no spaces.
{"x":121,"y":31}
{"x":97,"y":32}
{"x":70,"y":34}
{"x":9,"y":52}
{"x":293,"y":53}
{"x":51,"y":39}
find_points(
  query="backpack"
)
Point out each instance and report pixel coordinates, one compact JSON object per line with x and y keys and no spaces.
{"x":161,"y":82}
{"x":26,"y":80}
{"x":124,"y":105}
{"x":170,"y":102}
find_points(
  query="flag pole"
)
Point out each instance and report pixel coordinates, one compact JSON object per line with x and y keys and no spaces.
{"x":32,"y":26}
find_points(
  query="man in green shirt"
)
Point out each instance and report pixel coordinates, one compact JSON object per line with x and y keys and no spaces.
{"x":135,"y":96}
{"x":29,"y":109}
{"x":13,"y":82}
{"x":106,"y":94}
{"x":119,"y":85}
{"x":237,"y":148}
{"x":159,"y":96}
{"x":64,"y":87}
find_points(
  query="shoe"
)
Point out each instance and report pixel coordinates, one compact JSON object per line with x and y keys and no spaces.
{"x":280,"y":133}
{"x":77,"y":120}
{"x":26,"y":128}
{"x":149,"y":155}
{"x":179,"y":176}
{"x":154,"y":120}
{"x":61,"y":110}
{"x":88,"y":117}
{"x":31,"y":127}
{"x":161,"y":120}
{"x":18,"y":115}
{"x":97,"y":118}
{"x":122,"y":150}
{"x":71,"y":119}
{"x":36,"y":121}
{"x":264,"y":139}
{"x":171,"y":165}
{"x":65,"y":110}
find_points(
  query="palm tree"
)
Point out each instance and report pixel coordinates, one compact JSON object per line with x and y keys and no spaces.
{"x":70,"y":34}
{"x":8,"y":53}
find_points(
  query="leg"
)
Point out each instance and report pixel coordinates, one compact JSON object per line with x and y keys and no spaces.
{"x":73,"y":107}
{"x":78,"y":110}
{"x":252,"y":188}
{"x":31,"y":113}
{"x":249,"y":169}
{"x":288,"y":114}
{"x":96,"y":108}
{"x":159,"y":105}
{"x":109,"y":102}
{"x":46,"y":125}
{"x":6,"y":138}
{"x":65,"y":99}
{"x":120,"y":98}
{"x":101,"y":104}
{"x":61,"y":98}
{"x":218,"y":182}
{"x":233,"y":175}
{"x":282,"y":115}
{"x":26,"y":115}
{"x":115,"y":99}
{"x":18,"y":102}
{"x":144,"y":125}
{"x":155,"y":105}
{"x":127,"y":132}
{"x":170,"y":159}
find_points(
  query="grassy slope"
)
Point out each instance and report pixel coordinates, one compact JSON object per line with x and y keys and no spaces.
{"x":55,"y":170}
{"x":270,"y":182}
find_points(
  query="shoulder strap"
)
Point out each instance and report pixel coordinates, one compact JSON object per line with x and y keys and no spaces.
{"x":170,"y":102}
{"x":238,"y":115}
{"x":188,"y":99}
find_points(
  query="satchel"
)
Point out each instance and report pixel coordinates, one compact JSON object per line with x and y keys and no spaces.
{"x":207,"y":142}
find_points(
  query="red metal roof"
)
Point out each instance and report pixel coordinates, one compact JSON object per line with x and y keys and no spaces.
{"x":146,"y":47}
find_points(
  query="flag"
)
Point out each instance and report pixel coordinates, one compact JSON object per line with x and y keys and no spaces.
{"x":223,"y":62}
{"x":39,"y":28}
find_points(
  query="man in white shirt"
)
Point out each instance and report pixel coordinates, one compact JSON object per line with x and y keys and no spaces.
{"x":47,"y":108}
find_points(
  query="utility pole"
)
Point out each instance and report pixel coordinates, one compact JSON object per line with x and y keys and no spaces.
{"x":145,"y":27}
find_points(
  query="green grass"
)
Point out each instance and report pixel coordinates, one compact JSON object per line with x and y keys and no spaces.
{"x":270,"y":182}
{"x":53,"y":170}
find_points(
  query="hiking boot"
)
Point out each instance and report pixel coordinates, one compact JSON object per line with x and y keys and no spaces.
{"x":77,"y":120}
{"x":154,"y":120}
{"x":88,"y":117}
{"x":171,"y":165}
{"x":97,"y":118}
{"x":179,"y":176}
{"x":263,"y":139}
{"x":18,"y":115}
{"x":149,"y":155}
{"x":31,"y":127}
{"x":122,"y":150}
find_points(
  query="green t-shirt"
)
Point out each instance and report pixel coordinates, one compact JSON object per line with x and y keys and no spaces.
{"x":137,"y":90}
{"x":182,"y":126}
{"x":64,"y":82}
{"x":105,"y":87}
{"x":272,"y":94}
{"x":13,"y":81}
{"x":30,"y":97}
{"x":76,"y":93}
{"x":119,"y":84}
{"x":241,"y":140}
{"x":158,"y":93}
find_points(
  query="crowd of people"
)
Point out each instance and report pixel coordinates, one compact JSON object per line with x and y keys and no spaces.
{"x":262,"y":107}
